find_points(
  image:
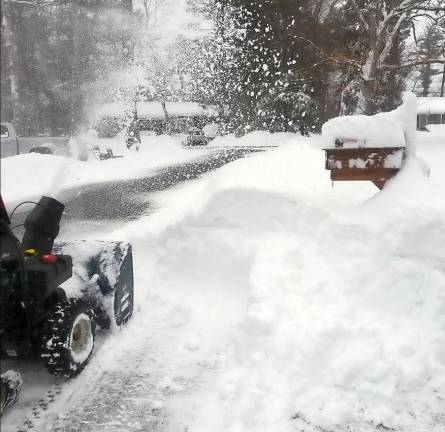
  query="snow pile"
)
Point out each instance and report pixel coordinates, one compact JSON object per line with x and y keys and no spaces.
{"x":311,"y":312}
{"x":391,"y":129}
{"x":394,"y":160}
{"x":435,"y":135}
{"x":437,"y":129}
{"x":31,"y":175}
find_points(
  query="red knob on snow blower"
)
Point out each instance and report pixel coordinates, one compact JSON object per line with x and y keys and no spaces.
{"x":48,"y":259}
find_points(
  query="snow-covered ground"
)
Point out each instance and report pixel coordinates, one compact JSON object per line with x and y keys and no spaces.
{"x":269,"y":299}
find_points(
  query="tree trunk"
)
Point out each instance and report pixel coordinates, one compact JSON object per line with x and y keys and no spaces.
{"x":367,"y":90}
{"x":443,"y":82}
{"x":76,"y":68}
{"x":11,"y":61}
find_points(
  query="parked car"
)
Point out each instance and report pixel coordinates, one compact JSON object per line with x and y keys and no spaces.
{"x":11,"y":144}
{"x":196,"y":124}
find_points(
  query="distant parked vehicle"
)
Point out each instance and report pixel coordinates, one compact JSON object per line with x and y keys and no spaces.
{"x":12,"y":145}
{"x":192,"y":123}
{"x":196,"y":136}
{"x":196,"y":123}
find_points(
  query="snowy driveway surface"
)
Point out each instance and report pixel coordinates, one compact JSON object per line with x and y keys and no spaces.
{"x":268,"y":301}
{"x":127,"y":199}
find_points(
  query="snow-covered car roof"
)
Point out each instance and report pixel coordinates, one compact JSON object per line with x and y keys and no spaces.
{"x":190,"y":109}
{"x":154,"y":110}
{"x":149,"y":110}
{"x":113,"y":109}
{"x":431,"y":105}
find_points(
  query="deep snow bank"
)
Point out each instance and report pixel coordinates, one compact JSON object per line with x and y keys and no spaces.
{"x":340,"y":320}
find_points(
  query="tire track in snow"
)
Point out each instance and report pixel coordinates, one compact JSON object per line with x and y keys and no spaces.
{"x":40,"y":407}
{"x":125,"y":398}
{"x":114,"y":392}
{"x":125,"y":387}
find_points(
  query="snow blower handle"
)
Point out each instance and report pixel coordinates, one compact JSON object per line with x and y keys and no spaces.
{"x":42,"y":225}
{"x":3,"y":213}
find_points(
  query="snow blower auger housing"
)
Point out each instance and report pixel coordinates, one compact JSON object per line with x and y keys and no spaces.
{"x":52,"y":295}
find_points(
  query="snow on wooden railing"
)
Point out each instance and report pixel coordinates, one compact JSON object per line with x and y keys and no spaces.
{"x":389,"y":129}
{"x":371,"y":148}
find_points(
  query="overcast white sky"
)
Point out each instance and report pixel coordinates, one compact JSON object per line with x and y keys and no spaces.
{"x":172,"y":20}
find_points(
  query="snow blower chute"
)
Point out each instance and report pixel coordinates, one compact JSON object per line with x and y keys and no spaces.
{"x":52,"y":294}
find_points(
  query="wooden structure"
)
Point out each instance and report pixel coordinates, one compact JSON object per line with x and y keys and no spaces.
{"x":364,"y":163}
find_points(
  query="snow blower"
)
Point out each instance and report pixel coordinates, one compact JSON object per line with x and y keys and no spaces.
{"x":53,"y":295}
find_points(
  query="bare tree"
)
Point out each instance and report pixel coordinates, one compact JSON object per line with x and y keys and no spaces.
{"x":322,"y":8}
{"x":11,"y":69}
{"x":382,"y":22}
{"x":151,"y":9}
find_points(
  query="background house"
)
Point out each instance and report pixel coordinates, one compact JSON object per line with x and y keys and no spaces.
{"x":431,"y":110}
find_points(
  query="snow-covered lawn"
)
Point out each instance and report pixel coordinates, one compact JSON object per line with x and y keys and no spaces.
{"x":270,"y":300}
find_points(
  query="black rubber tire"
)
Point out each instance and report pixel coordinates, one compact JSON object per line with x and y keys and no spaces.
{"x":71,"y":320}
{"x":102,"y":319}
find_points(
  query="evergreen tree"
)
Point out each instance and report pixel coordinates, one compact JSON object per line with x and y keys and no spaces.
{"x":258,"y":68}
{"x":431,"y":45}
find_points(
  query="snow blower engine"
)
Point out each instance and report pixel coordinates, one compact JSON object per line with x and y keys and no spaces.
{"x":52,"y":295}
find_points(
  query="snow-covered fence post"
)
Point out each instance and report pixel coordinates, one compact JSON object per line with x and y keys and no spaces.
{"x":408,"y":115}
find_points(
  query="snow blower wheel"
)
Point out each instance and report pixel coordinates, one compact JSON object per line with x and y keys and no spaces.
{"x":68,"y":338}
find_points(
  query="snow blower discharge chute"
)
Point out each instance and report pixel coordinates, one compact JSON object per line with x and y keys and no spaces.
{"x":52,"y":294}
